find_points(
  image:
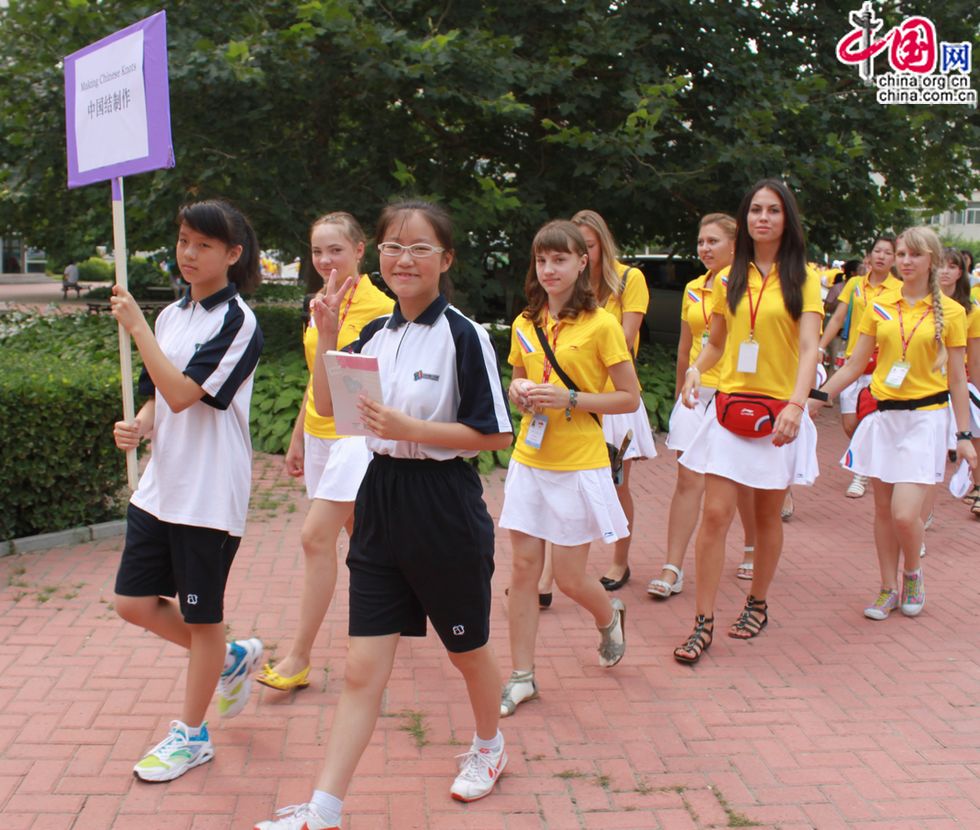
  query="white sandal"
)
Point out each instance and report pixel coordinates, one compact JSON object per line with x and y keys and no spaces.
{"x":744,"y":570}
{"x":663,"y":589}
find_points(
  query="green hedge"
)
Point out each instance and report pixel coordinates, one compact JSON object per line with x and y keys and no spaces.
{"x":96,"y":269}
{"x":59,"y":467}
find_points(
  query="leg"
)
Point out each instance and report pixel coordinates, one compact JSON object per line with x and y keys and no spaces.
{"x":849,"y":421}
{"x":720,"y":499}
{"x":682,"y":519}
{"x":369,"y":661}
{"x":769,"y":505}
{"x":522,"y":602}
{"x":482,"y":675}
{"x":207,"y":657}
{"x":547,"y":578}
{"x":746,"y":512}
{"x":621,"y":549}
{"x":320,"y":531}
{"x":906,"y":508}
{"x":575,"y":583}
{"x":886,"y":541}
{"x":158,"y":615}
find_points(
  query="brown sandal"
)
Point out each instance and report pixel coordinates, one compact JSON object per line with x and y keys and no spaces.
{"x":697,"y":644}
{"x":751,"y":621}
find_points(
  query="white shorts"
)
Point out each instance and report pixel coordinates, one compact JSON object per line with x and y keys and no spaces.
{"x":849,"y":395}
{"x":900,"y":446}
{"x":565,"y":507}
{"x":334,"y":467}
{"x":615,"y":427}
{"x":754,"y":462}
{"x":684,"y":422}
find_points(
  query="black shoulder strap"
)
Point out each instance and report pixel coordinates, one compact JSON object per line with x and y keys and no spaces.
{"x":549,"y":353}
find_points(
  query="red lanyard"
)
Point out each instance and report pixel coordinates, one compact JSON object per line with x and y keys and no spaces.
{"x":901,"y":327}
{"x":754,"y":311}
{"x":704,"y":313}
{"x":546,"y":371}
{"x":350,"y":299}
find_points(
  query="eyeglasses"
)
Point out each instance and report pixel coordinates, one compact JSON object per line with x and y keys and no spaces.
{"x":420,"y":250}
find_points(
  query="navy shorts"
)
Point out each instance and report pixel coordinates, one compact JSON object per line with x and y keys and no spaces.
{"x":161,"y":559}
{"x":422,"y":547}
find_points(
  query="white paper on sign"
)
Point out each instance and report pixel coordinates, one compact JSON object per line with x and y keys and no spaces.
{"x":110,"y":105}
{"x":350,"y":376}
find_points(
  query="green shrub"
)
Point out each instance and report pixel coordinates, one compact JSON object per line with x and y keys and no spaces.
{"x":141,"y":274}
{"x":279,"y":385}
{"x":96,"y":269}
{"x":59,"y":467}
{"x":282,"y":329}
{"x":279,"y":292}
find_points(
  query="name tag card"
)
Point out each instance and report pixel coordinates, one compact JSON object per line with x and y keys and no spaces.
{"x":896,"y":375}
{"x":748,"y":357}
{"x":535,"y":431}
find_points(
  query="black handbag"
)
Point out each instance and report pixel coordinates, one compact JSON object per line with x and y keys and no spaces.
{"x":616,"y":454}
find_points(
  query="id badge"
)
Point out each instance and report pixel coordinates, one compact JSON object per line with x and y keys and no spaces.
{"x":535,"y":431}
{"x":748,"y":357}
{"x":704,"y":338}
{"x":896,"y":375}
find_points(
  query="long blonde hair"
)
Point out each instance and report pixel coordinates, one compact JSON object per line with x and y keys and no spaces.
{"x":610,"y":284}
{"x":924,"y":240}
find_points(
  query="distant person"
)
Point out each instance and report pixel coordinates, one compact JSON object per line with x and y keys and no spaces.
{"x":69,"y":281}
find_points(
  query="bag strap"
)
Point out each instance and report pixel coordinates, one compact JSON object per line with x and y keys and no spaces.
{"x":846,"y":328}
{"x":549,"y":353}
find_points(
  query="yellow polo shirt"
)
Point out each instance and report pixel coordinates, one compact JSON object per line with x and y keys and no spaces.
{"x":972,"y":326}
{"x":367,"y":303}
{"x":635,"y":296}
{"x":776,"y":332}
{"x":864,"y":293}
{"x":881,"y":321}
{"x":975,"y":293}
{"x":696,"y":312}
{"x":586,"y":347}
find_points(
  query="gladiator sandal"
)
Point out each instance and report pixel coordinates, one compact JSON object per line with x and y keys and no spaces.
{"x":697,"y":644}
{"x":751,"y":621}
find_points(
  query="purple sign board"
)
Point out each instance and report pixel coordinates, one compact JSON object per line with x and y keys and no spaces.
{"x":117,"y":104}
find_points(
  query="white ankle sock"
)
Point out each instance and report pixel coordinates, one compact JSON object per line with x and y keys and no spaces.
{"x":328,"y":807}
{"x":495,"y":744}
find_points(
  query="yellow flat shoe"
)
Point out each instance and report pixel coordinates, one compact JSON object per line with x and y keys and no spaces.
{"x":271,"y":678}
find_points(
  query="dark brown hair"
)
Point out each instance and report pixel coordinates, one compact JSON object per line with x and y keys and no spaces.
{"x":961,"y":291}
{"x":562,"y":236}
{"x":222,"y":220}
{"x":790,"y":259}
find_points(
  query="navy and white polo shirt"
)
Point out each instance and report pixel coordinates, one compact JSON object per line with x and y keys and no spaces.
{"x":439,"y":367}
{"x":200,"y":470}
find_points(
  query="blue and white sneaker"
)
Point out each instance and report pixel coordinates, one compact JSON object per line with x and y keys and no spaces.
{"x":175,"y":754}
{"x":236,"y":682}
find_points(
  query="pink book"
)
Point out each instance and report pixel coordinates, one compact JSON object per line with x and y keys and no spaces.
{"x":350,"y":376}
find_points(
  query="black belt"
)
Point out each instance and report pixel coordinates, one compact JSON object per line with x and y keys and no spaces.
{"x":916,"y":403}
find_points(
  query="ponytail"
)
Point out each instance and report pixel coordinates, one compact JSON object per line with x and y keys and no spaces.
{"x":924,"y":240}
{"x":222,"y":220}
{"x":937,"y":313}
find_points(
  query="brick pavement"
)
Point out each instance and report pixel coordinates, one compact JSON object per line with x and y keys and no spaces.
{"x":826,"y":721}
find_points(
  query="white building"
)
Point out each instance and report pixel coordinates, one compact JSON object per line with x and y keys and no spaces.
{"x":964,"y":223}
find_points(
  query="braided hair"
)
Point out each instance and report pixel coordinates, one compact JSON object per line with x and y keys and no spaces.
{"x":924,"y":240}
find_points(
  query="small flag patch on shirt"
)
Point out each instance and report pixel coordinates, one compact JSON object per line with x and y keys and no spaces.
{"x":525,"y":343}
{"x":880,"y":311}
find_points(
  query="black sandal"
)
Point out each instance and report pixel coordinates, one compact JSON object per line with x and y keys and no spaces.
{"x":751,"y":621}
{"x":698,"y":642}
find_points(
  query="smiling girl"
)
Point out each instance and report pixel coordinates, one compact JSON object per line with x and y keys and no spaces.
{"x":185,"y":520}
{"x":559,"y":488}
{"x":920,"y":335}
{"x":331,"y":466}
{"x":422,"y":545}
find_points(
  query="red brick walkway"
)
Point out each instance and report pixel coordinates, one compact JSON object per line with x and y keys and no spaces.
{"x":826,"y":721}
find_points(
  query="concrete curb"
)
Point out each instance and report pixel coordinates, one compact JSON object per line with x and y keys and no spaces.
{"x":61,"y":538}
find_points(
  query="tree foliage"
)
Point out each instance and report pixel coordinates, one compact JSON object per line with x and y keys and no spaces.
{"x":510,"y":112}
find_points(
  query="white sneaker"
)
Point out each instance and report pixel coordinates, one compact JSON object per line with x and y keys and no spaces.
{"x":296,"y":817}
{"x":519,"y":688}
{"x":236,"y":683}
{"x":612,"y":646}
{"x":479,"y":770}
{"x":857,"y":487}
{"x":175,"y":754}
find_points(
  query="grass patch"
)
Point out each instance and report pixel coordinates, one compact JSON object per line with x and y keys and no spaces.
{"x":568,"y":774}
{"x":414,"y":725}
{"x":735,"y":818}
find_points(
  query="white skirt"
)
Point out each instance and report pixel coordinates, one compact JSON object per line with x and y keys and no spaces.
{"x":754,"y":462}
{"x":334,"y":467}
{"x":684,"y":422}
{"x":907,"y":446}
{"x":974,"y":410}
{"x":565,"y":507}
{"x":615,"y":427}
{"x":849,"y":395}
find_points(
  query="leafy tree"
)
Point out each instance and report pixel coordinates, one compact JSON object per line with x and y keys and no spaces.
{"x":510,"y":112}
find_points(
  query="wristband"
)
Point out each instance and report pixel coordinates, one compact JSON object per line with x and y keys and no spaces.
{"x":817,"y":395}
{"x":966,"y":435}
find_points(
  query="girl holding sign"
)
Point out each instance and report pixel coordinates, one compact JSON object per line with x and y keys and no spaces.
{"x":902,"y":437}
{"x":186,"y":518}
{"x":765,"y":322}
{"x":331,"y":466}
{"x":559,"y":489}
{"x":423,"y":540}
